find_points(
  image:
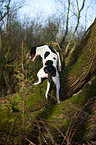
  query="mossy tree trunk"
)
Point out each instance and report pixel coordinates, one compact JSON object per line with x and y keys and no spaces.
{"x":82,"y":64}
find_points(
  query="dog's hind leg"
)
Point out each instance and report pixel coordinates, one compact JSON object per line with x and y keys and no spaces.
{"x":48,"y":83}
{"x":57,"y":83}
{"x":48,"y":88}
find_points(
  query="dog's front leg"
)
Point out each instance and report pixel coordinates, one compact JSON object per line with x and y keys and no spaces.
{"x":41,"y":74}
{"x":39,"y":81}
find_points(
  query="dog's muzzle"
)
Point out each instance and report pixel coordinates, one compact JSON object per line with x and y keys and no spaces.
{"x":29,"y":57}
{"x":32,"y":58}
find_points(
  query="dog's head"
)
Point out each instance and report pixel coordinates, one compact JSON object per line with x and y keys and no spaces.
{"x":32,"y":53}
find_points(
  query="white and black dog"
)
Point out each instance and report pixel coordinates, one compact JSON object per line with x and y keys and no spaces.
{"x":51,"y":66}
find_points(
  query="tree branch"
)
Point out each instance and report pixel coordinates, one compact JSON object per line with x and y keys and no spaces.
{"x":7,"y":6}
{"x":63,"y":39}
{"x":79,"y":12}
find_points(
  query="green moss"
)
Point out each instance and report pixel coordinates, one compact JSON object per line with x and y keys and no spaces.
{"x":36,"y":108}
{"x":36,"y":100}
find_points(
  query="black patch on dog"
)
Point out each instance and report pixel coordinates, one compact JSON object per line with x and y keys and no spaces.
{"x":49,"y":62}
{"x":52,"y":49}
{"x":33,"y":51}
{"x":50,"y":69}
{"x":46,"y":54}
{"x":54,"y":58}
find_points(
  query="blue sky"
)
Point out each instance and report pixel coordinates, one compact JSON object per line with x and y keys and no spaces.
{"x":33,"y":8}
{"x":46,"y":8}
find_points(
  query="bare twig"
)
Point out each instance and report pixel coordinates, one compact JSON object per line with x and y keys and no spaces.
{"x":11,"y":129}
{"x":22,"y":56}
{"x":7,"y":6}
{"x":51,"y":138}
{"x":79,"y":12}
{"x":56,"y":43}
{"x":30,"y":141}
{"x":70,"y":131}
{"x":63,"y":39}
{"x":39,"y":137}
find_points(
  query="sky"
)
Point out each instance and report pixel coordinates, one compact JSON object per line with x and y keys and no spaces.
{"x":46,"y":8}
{"x":35,"y":8}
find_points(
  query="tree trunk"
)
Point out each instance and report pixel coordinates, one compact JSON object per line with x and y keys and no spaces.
{"x":82,"y":65}
{"x":1,"y":54}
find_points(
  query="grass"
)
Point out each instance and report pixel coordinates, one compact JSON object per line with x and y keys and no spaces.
{"x":26,"y":117}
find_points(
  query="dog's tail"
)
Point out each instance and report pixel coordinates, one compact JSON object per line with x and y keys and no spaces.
{"x":51,"y":71}
{"x":49,"y":76}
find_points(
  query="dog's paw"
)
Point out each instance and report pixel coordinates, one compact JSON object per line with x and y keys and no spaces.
{"x":58,"y":102}
{"x":35,"y":84}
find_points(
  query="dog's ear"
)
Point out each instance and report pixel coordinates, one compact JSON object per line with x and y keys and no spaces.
{"x":33,"y":51}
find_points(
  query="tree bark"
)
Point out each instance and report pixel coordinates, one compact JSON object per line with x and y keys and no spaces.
{"x":82,"y":65}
